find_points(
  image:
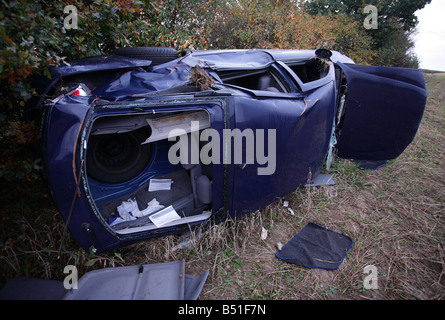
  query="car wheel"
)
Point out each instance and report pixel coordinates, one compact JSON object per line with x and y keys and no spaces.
{"x":117,"y":157}
{"x":157,"y":55}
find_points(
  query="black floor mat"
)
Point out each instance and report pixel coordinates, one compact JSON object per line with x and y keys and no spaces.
{"x":316,"y":247}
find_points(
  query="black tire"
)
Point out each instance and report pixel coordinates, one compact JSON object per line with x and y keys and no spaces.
{"x":157,"y":55}
{"x":119,"y":157}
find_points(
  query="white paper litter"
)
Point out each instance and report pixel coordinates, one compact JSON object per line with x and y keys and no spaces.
{"x":164,"y":216}
{"x":159,"y":184}
{"x":127,"y":206}
{"x":263,"y":233}
{"x":129,"y":210}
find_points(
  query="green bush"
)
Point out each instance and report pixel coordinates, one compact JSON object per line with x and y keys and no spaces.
{"x":33,"y":36}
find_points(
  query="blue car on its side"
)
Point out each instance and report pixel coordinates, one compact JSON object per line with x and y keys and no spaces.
{"x":143,"y":142}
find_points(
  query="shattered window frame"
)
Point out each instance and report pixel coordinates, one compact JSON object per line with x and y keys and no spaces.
{"x":239,"y":78}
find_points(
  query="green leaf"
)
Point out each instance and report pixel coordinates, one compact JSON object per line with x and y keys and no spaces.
{"x":91,"y":262}
{"x":118,"y":255}
{"x":46,"y":73}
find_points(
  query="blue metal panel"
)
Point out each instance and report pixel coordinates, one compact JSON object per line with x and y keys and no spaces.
{"x":384,"y":107}
{"x":97,"y":63}
{"x":303,"y":129}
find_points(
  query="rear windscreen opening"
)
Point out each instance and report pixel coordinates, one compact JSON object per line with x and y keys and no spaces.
{"x":132,"y":182}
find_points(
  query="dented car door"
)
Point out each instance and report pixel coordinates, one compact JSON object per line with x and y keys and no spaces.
{"x":383,"y":110}
{"x":288,"y":143}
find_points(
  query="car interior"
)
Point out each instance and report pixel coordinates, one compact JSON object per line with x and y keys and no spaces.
{"x":130,"y":177}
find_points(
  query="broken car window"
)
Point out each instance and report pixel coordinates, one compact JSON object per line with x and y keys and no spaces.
{"x":265,"y":80}
{"x":311,"y":70}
